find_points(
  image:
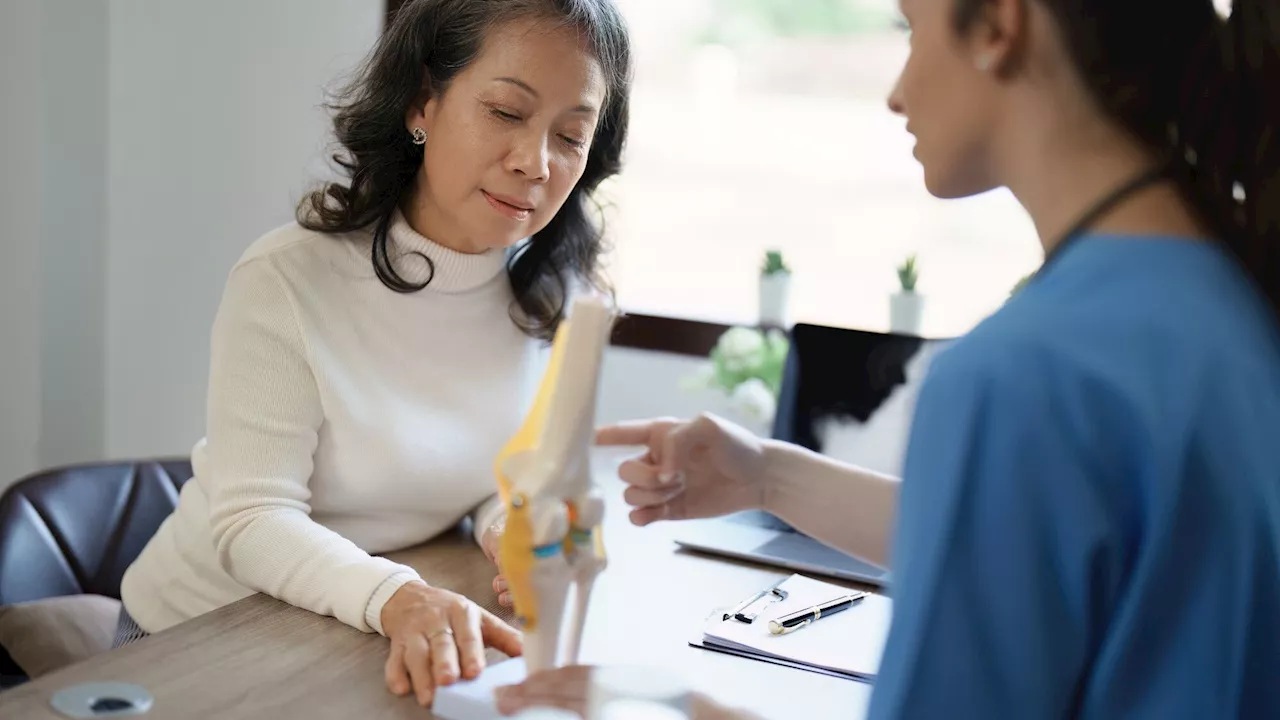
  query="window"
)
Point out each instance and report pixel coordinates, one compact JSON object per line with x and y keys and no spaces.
{"x":763,"y":123}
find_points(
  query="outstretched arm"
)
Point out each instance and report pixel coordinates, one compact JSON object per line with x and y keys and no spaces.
{"x":710,"y":467}
{"x":264,"y":416}
{"x":844,"y":506}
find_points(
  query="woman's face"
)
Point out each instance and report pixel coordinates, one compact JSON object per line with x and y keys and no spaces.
{"x":949,"y":99}
{"x":508,"y":139}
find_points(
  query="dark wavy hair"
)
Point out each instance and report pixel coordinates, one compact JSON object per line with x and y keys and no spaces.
{"x":426,"y":45}
{"x":1202,"y":93}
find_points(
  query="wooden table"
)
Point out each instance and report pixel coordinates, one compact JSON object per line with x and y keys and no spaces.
{"x":261,"y":658}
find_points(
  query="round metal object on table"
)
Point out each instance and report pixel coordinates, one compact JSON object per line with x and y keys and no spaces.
{"x":102,"y":700}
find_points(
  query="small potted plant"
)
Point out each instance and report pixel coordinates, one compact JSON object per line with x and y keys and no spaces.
{"x":906,"y":307}
{"x":775,"y":290}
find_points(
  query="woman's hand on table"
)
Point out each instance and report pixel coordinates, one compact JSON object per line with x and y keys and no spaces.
{"x":489,"y":544}
{"x":438,"y":637}
{"x":569,"y":688}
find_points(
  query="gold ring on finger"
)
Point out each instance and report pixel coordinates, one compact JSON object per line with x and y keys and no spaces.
{"x":437,"y":633}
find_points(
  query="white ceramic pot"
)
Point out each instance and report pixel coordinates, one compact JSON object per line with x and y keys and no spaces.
{"x":775,"y":297}
{"x":906,"y":312}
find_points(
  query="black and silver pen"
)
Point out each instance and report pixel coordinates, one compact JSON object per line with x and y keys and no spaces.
{"x":800,"y":618}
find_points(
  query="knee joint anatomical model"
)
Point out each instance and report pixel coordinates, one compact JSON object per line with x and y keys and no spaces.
{"x":552,"y":538}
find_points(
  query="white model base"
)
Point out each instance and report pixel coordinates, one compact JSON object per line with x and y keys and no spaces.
{"x":474,"y":699}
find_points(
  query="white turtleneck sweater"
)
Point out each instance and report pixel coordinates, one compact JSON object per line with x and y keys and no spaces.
{"x":344,"y":420}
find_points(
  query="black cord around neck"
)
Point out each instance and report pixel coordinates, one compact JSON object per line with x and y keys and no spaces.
{"x":1102,"y":207}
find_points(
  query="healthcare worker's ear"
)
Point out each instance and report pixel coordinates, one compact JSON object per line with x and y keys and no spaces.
{"x":995,"y":32}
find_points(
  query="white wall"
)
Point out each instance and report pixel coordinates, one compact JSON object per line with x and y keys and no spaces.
{"x":73,"y":243}
{"x":146,"y":144}
{"x":214,"y":120}
{"x":20,"y":223}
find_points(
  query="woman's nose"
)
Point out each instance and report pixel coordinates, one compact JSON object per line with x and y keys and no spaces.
{"x":896,"y":105}
{"x":530,"y":158}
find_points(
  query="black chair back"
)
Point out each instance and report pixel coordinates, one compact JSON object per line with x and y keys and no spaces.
{"x":75,"y":530}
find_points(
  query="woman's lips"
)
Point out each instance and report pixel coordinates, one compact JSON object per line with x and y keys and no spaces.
{"x":508,"y":206}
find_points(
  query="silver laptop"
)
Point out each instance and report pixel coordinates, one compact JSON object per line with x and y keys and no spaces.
{"x":848,"y":394}
{"x":755,"y":537}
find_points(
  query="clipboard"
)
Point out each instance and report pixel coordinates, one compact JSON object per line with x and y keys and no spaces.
{"x":848,"y":644}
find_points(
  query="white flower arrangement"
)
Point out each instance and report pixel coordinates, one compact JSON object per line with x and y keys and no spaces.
{"x":747,"y":365}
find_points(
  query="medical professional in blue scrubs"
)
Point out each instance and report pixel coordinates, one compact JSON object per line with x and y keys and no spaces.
{"x":1088,"y":525}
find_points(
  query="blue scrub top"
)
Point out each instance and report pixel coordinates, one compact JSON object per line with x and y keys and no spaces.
{"x":1089,"y":524}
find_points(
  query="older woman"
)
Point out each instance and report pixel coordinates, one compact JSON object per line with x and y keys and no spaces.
{"x":370,"y":360}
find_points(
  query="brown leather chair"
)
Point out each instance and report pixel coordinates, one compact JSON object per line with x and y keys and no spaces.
{"x":76,"y":529}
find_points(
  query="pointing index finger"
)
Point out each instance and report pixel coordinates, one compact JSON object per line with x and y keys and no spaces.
{"x":634,"y":432}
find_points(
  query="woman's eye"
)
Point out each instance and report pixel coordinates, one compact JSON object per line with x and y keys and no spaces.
{"x":573,"y":142}
{"x":504,"y":115}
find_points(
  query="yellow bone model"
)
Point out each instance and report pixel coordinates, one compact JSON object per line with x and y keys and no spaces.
{"x":552,"y":538}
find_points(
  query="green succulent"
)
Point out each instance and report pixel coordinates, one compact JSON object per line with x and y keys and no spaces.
{"x":908,"y":274}
{"x":774,"y":264}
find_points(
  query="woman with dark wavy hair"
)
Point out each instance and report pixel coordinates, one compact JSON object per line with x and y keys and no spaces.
{"x":369,"y":361}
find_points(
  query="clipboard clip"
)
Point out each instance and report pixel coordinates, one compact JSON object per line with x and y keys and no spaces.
{"x":750,"y":608}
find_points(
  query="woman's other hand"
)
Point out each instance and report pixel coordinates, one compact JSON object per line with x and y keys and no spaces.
{"x":693,"y":469}
{"x":438,"y":637}
{"x":489,"y":543}
{"x":569,"y":688}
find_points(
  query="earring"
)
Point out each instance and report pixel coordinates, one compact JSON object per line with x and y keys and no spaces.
{"x":1238,"y":193}
{"x":419,"y":136}
{"x":984,"y":63}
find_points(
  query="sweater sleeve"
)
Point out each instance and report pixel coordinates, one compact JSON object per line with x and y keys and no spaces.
{"x":264,"y":414}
